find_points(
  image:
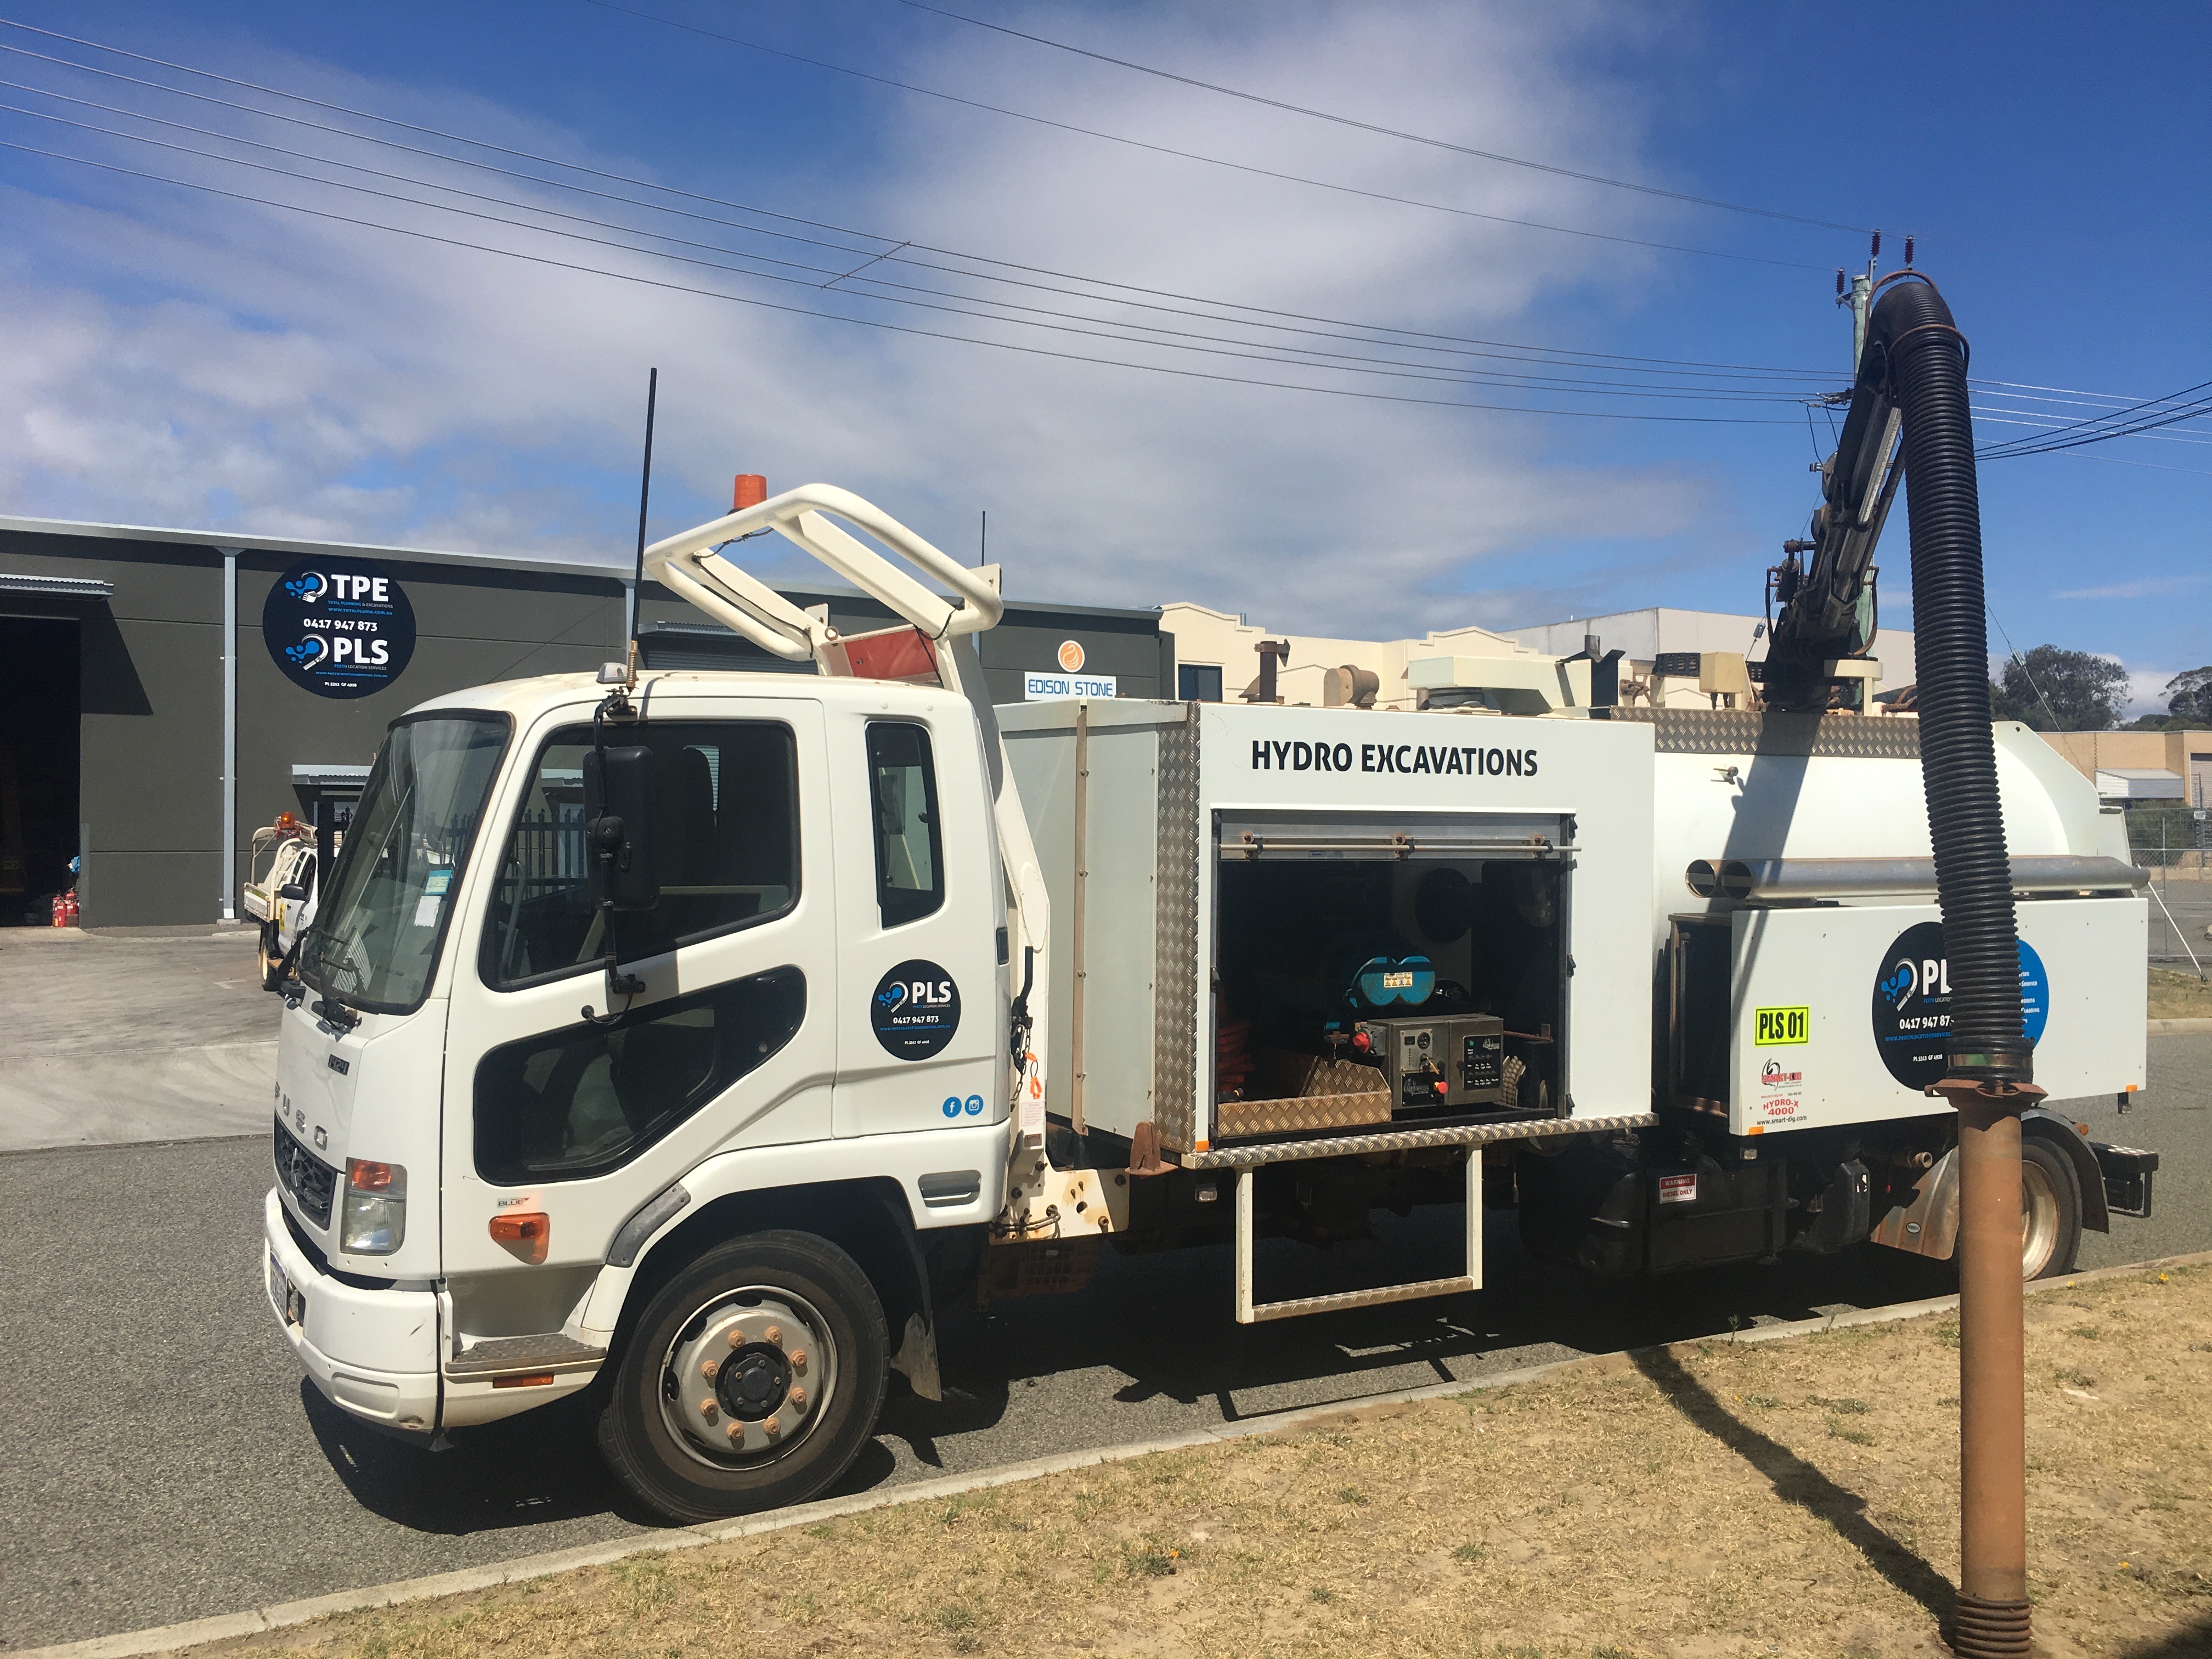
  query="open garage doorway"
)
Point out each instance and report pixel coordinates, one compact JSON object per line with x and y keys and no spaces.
{"x":39,"y":765}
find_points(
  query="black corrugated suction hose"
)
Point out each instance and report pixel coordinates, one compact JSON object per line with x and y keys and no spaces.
{"x":1926,"y":365}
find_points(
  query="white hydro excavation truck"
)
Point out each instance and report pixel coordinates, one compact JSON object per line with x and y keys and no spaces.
{"x":695,"y":1037}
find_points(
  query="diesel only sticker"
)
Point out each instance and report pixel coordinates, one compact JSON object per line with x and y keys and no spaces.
{"x":1775,"y":1025}
{"x":915,"y":1010}
{"x":1912,"y":1003}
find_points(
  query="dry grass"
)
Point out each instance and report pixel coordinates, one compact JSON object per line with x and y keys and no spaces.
{"x":2180,"y":996}
{"x":1792,"y":1498}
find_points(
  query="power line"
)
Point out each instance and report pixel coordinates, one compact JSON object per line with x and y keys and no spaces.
{"x":1195,"y":156}
{"x":836,"y":277}
{"x":894,"y":328}
{"x":2156,"y":412}
{"x":1342,"y":361}
{"x":1604,"y":358}
{"x":1387,"y":132}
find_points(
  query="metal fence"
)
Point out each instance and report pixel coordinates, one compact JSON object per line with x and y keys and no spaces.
{"x":547,"y":850}
{"x":2174,"y":842}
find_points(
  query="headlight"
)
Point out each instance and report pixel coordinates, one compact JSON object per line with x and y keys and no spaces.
{"x":373,"y":1220}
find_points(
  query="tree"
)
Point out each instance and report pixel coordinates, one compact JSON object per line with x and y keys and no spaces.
{"x":2054,"y":690}
{"x":2189,"y":696}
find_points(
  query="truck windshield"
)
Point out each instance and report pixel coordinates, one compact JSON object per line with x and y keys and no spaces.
{"x":375,"y":939}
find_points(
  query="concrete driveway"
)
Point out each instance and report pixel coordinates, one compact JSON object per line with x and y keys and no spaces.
{"x":132,"y":1034}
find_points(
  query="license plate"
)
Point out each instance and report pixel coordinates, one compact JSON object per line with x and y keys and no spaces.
{"x":294,"y":1304}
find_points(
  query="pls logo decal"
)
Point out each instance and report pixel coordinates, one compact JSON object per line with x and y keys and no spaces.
{"x":1912,"y":1008}
{"x":914,"y":1009}
{"x":338,"y":628}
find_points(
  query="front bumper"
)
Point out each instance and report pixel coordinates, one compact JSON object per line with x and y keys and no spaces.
{"x":373,"y":1353}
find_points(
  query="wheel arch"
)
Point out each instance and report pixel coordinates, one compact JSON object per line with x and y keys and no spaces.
{"x":2058,"y":1132}
{"x":867,"y":1218}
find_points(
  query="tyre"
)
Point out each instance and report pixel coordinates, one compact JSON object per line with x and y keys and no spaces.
{"x":750,"y":1381}
{"x":2050,"y":1210}
{"x":273,"y":958}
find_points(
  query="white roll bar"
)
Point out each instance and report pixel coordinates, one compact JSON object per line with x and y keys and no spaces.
{"x":687,"y":566}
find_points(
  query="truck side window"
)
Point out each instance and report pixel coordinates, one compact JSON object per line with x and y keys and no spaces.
{"x":726,"y":828}
{"x":909,"y":853}
{"x":569,"y":1104}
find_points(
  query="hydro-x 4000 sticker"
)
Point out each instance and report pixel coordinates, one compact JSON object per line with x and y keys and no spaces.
{"x":916,"y":1010}
{"x":338,"y":628}
{"x":1912,"y":1003}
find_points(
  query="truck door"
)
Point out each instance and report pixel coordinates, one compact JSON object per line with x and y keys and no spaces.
{"x":554,"y":1107}
{"x":922,"y":1016}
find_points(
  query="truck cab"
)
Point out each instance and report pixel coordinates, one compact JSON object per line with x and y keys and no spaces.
{"x":474,"y":1141}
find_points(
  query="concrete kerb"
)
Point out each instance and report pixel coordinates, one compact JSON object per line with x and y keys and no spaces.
{"x":171,"y":1638}
{"x":2179,"y":1027}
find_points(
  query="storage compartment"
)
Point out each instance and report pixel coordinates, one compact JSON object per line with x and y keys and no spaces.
{"x":1438,"y":982}
{"x":1259,"y":912}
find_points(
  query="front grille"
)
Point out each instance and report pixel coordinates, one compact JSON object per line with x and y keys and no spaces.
{"x":310,"y":1180}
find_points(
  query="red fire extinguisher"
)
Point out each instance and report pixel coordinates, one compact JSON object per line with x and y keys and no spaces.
{"x":61,"y":910}
{"x":70,"y":910}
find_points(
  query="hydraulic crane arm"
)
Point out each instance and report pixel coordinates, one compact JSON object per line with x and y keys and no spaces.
{"x":1827,"y":604}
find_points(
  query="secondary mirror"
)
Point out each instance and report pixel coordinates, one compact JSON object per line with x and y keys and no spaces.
{"x":618,"y":827}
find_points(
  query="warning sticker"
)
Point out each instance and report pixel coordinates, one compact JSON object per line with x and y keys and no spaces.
{"x":1678,"y":1190}
{"x":1783,"y":1025}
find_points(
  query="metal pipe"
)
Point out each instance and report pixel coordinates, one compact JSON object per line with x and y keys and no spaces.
{"x":1077,"y":928}
{"x":1770,"y":880}
{"x":1993,"y":1607}
{"x":229,"y":911}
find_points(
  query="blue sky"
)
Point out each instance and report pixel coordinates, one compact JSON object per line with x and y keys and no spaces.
{"x":178,"y":357}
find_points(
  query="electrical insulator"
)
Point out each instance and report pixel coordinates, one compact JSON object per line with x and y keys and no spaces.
{"x":1877,"y":253}
{"x":1908,"y":253}
{"x":1839,"y":282}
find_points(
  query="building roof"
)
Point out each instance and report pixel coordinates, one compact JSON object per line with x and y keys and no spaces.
{"x":68,"y":529}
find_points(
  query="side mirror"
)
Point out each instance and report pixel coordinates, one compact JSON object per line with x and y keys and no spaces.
{"x":291,"y":892}
{"x":618,"y":828}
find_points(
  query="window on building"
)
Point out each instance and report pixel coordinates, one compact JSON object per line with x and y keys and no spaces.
{"x":910,"y":852}
{"x":724,"y":835}
{"x":1197,"y":683}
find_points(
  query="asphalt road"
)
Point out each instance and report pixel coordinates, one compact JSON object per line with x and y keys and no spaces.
{"x":163,"y":1460}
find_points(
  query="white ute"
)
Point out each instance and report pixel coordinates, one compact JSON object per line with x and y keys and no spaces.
{"x":695,"y":1036}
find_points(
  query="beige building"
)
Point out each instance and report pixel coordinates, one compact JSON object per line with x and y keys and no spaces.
{"x":2185,"y":756}
{"x":1669,"y":657}
{"x":1218,"y":656}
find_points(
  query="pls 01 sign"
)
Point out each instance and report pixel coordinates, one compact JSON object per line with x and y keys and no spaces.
{"x":338,"y":628}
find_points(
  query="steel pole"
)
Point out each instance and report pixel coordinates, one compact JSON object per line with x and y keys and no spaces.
{"x":1993,"y":1615}
{"x":229,"y":910}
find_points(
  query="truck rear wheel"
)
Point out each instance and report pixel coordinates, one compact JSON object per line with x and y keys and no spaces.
{"x":2050,"y":1211}
{"x":751,"y":1380}
{"x":273,"y":958}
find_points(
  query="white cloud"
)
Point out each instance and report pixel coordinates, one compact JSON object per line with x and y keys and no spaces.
{"x":2148,"y":587}
{"x":179,"y":358}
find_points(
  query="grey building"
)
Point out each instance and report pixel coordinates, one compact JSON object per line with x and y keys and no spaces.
{"x":151,"y":722}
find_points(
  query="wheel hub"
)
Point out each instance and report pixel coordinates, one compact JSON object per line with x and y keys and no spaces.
{"x":754,"y":1382}
{"x":748,"y":1377}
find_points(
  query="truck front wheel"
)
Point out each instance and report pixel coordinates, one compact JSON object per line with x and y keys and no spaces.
{"x":2050,"y":1211}
{"x":751,"y":1380}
